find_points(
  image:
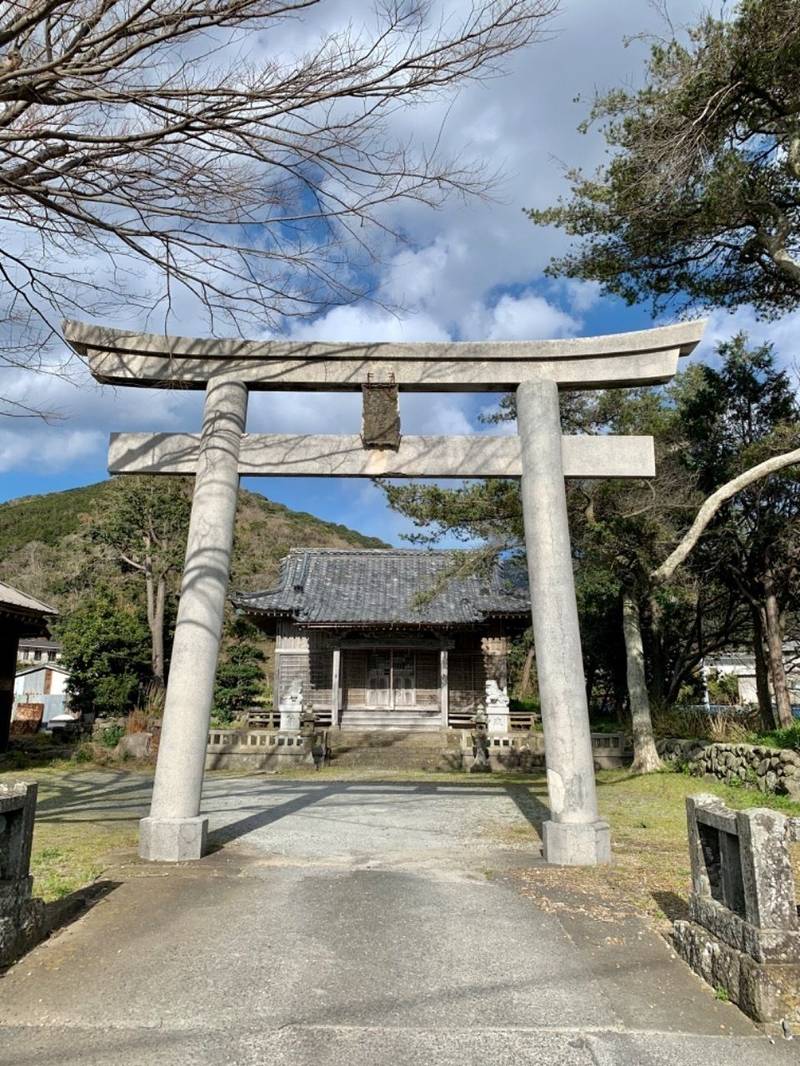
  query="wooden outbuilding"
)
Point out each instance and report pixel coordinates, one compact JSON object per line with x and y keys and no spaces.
{"x":21,"y":615}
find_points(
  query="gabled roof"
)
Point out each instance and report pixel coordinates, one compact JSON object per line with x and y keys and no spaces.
{"x":385,"y":586}
{"x":22,"y":615}
{"x":13,"y":600}
{"x":59,"y":669}
{"x":40,"y":642}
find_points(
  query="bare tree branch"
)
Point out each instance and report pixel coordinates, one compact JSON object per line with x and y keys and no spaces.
{"x":152,"y":158}
{"x":712,"y":505}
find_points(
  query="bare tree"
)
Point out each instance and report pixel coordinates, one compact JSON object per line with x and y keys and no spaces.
{"x":714,"y":502}
{"x":150,"y":154}
{"x":768,"y":617}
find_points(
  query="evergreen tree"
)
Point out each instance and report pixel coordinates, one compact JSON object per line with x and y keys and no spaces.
{"x":240,"y":679}
{"x":700,"y":203}
{"x":105,"y":648}
{"x":735,"y":417}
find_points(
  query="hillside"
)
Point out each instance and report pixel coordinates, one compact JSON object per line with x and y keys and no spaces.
{"x":46,"y":550}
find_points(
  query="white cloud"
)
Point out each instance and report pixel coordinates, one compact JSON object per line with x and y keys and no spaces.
{"x":370,"y":323}
{"x":517,"y":318}
{"x":37,"y":448}
{"x":467,"y":270}
{"x":783,"y":334}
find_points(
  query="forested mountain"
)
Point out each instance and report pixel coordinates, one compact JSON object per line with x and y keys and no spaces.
{"x":47,"y":547}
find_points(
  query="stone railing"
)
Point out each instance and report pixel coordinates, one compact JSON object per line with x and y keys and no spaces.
{"x":768,"y":769}
{"x":21,"y":916}
{"x":255,"y":749}
{"x":743,"y":936}
{"x":526,"y":751}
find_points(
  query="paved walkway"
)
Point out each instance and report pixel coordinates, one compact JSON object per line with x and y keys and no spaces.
{"x":353,"y":923}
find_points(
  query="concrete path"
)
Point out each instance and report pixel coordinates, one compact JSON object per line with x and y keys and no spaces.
{"x":357,"y":923}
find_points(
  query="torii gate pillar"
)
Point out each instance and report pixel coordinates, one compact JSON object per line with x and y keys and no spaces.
{"x":175,"y":830}
{"x":574,"y":836}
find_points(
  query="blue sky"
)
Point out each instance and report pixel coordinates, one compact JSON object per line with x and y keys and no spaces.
{"x":466,"y":271}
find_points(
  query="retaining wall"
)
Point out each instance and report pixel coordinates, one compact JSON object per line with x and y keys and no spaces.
{"x":768,"y":769}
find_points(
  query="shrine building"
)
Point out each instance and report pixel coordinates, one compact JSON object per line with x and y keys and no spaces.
{"x":390,"y":639}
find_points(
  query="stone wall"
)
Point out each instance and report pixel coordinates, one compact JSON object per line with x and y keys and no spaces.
{"x":768,"y":769}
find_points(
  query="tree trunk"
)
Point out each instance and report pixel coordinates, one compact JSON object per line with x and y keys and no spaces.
{"x":525,"y":677}
{"x":156,"y":599}
{"x":774,"y":634}
{"x":591,"y":673}
{"x":762,"y":675}
{"x":659,"y":682}
{"x":645,"y":756}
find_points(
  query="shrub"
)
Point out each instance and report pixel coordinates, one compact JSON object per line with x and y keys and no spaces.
{"x":137,"y":722}
{"x":734,"y":727}
{"x":781,"y":738}
{"x":111,"y":736}
{"x":240,"y":677}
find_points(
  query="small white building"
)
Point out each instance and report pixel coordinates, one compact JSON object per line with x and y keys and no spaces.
{"x":38,"y":650}
{"x":45,"y":685}
{"x":742,"y":666}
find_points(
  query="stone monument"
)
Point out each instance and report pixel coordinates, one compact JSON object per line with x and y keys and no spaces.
{"x":291,"y":708}
{"x":743,"y":935}
{"x":497,"y":705}
{"x":21,"y":916}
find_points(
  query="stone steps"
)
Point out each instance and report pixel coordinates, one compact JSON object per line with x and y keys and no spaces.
{"x":392,"y":721}
{"x":430,"y":749}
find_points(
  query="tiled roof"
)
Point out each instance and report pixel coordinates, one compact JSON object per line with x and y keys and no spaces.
{"x":361,"y":586}
{"x":12,"y":599}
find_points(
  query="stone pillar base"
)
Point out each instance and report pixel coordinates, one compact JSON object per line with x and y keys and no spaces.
{"x":576,"y":843}
{"x":172,"y":839}
{"x":768,"y":991}
{"x":498,"y":724}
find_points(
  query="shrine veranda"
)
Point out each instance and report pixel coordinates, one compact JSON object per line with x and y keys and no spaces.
{"x":539,"y":455}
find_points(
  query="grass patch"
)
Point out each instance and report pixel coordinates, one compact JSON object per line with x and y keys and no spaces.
{"x":781,"y":738}
{"x":69,"y":855}
{"x":650,"y":873}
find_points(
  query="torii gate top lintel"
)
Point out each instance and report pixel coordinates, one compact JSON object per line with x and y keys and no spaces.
{"x":614,"y":360}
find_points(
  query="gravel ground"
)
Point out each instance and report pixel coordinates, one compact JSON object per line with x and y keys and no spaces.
{"x":351,"y":922}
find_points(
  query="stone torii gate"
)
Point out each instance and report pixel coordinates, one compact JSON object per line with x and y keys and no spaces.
{"x":228,"y":369}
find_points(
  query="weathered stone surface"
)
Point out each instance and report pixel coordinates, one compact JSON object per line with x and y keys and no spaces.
{"x":380,"y":422}
{"x":198,"y":628}
{"x":744,"y":933}
{"x":344,"y":455}
{"x":576,"y":844}
{"x":767,"y":874}
{"x":764,"y":945}
{"x":575,"y":835}
{"x":21,"y":917}
{"x":260,"y":749}
{"x":775,"y":770}
{"x":134,"y":746}
{"x":767,"y":992}
{"x":172,"y":839}
{"x":647,"y":356}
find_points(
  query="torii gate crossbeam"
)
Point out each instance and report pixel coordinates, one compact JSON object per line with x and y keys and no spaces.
{"x":539,"y":455}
